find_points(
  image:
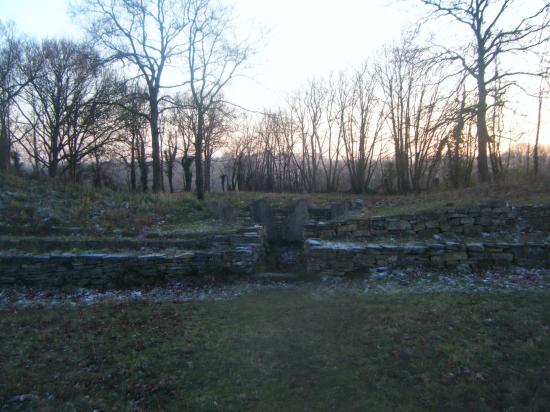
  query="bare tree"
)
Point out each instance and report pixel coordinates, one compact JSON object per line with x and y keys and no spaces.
{"x":17,"y":70}
{"x":93,"y":120}
{"x":213,"y":59}
{"x":134,"y":135}
{"x":498,"y":28}
{"x":182,"y":121}
{"x":333,"y":139}
{"x":416,"y":112}
{"x":146,"y":35}
{"x":543,"y":90}
{"x":361,"y":123}
{"x":307,"y":111}
{"x":170,"y":154}
{"x":68,"y":106}
{"x":218,"y":126}
{"x":460,"y":145}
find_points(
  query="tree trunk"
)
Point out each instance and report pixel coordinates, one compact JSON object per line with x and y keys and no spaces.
{"x":73,"y":169}
{"x":54,"y":157}
{"x":537,"y":136}
{"x":207,"y":172}
{"x":157,"y":171}
{"x":4,"y":147}
{"x":143,"y":166}
{"x":97,"y":174}
{"x":133,"y":165}
{"x":170,"y":173}
{"x":199,"y":174}
{"x":35,"y":152}
{"x":482,"y":131}
{"x":55,"y":131}
{"x":162,"y":175}
{"x":186,"y":163}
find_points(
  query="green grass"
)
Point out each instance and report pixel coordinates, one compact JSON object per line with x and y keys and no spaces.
{"x":24,"y":199}
{"x":283,"y":350}
{"x":533,"y":193}
{"x":85,"y":207}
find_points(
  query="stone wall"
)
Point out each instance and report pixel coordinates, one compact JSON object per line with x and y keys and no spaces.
{"x":243,"y":235}
{"x":340,"y":258}
{"x":241,"y":252}
{"x":494,"y":217}
{"x":121,"y":270}
{"x":286,"y":224}
{"x":235,"y":254}
{"x":335,"y":210}
{"x":533,"y":219}
{"x":282,"y":224}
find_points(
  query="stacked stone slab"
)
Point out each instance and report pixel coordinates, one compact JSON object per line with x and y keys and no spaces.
{"x":282,"y":224}
{"x":238,"y":253}
{"x":494,"y":217}
{"x":357,"y":244}
{"x":533,"y":219}
{"x":342,"y":258}
{"x":92,"y":269}
{"x":285,"y":224}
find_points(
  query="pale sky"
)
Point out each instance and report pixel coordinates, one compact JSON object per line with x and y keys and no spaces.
{"x":305,"y":38}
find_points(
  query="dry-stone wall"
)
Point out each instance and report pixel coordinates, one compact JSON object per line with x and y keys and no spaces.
{"x":358,"y":244}
{"x":282,"y":224}
{"x":494,"y":217}
{"x":340,"y":258}
{"x":533,"y":219}
{"x":286,"y":224}
{"x":333,"y":247}
{"x":91,"y":269}
{"x":237,"y":253}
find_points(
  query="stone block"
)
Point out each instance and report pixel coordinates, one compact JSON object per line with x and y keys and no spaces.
{"x":357,"y":204}
{"x":414,"y":249}
{"x":399,"y":225}
{"x":297,"y":218}
{"x":455,"y":257}
{"x":475,"y":247}
{"x":472,"y":230}
{"x":419,"y":226}
{"x":346,"y":228}
{"x":503,"y":258}
{"x":338,"y":209}
{"x":457,"y":216}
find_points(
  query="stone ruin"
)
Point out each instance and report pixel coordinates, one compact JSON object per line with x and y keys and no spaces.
{"x":333,"y":240}
{"x":480,"y":236}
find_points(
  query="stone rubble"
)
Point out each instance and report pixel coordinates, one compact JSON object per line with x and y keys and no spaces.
{"x":380,"y":281}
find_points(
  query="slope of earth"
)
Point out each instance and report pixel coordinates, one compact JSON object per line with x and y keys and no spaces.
{"x":44,"y":207}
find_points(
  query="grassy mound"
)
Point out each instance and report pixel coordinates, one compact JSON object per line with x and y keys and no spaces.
{"x":38,"y":206}
{"x":43,"y":206}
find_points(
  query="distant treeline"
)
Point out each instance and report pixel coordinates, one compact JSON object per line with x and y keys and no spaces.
{"x":415,"y":117}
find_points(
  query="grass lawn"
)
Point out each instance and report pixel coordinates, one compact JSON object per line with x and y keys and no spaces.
{"x":282,"y":350}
